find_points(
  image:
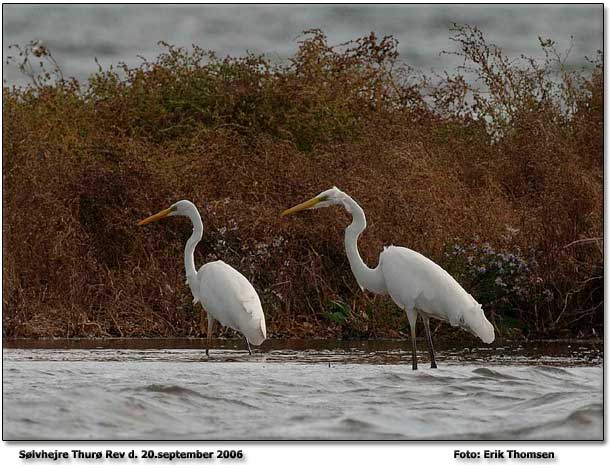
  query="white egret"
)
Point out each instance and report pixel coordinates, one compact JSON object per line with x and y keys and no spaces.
{"x":415,"y":283}
{"x":225,"y":294}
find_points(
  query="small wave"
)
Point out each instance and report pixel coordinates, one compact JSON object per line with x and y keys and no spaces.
{"x":352,"y":382}
{"x":353,"y":424}
{"x":489,"y":373}
{"x":230,"y":401}
{"x":490,"y":396}
{"x":440,"y":379}
{"x":168,"y":389}
{"x":269,"y":393}
{"x":545,"y":400}
{"x":392,"y":377}
{"x":552,"y":369}
{"x":175,"y":390}
{"x":29,"y":421}
{"x":358,"y":390}
{"x":289,"y":384}
{"x":582,"y":424}
{"x":586,"y":415}
{"x":300,"y":418}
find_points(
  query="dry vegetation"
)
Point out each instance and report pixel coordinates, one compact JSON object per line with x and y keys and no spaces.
{"x":501,"y":183}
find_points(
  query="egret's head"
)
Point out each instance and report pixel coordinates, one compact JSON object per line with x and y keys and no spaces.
{"x":180,"y":208}
{"x":474,"y":321}
{"x":327,"y":198}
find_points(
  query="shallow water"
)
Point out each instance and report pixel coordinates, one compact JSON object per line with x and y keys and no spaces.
{"x":167,"y":389}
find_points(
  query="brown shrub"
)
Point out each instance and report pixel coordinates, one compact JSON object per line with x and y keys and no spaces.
{"x":243,"y":139}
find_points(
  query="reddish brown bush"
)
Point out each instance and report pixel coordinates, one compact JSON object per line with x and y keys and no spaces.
{"x":517,"y":163}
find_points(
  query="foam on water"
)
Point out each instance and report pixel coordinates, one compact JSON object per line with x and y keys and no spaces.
{"x":174,"y":394}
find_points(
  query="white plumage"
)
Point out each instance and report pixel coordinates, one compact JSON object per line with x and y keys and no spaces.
{"x":230,"y":298}
{"x":225,"y":294}
{"x":415,"y":283}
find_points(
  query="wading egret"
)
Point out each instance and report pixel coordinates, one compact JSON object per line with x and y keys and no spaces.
{"x":225,"y":294}
{"x":415,"y":283}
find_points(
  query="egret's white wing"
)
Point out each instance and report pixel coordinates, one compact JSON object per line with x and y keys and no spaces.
{"x":414,"y":281}
{"x":230,"y":298}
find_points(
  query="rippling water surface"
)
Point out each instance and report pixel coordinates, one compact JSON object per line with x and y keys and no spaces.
{"x":299,"y":390}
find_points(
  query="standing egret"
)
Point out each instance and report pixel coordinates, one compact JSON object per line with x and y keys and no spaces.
{"x":415,"y":283}
{"x":225,"y":294}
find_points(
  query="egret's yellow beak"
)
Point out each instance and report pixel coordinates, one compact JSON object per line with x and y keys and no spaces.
{"x":156,"y":216}
{"x":302,"y":206}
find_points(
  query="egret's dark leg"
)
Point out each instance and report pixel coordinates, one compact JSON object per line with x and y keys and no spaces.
{"x":414,"y":345}
{"x":202,"y":317}
{"x":429,"y":336}
{"x":249,"y":351}
{"x":210,"y":330}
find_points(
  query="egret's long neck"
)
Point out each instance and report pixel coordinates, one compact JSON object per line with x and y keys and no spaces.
{"x":189,"y":250}
{"x":368,"y":278}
